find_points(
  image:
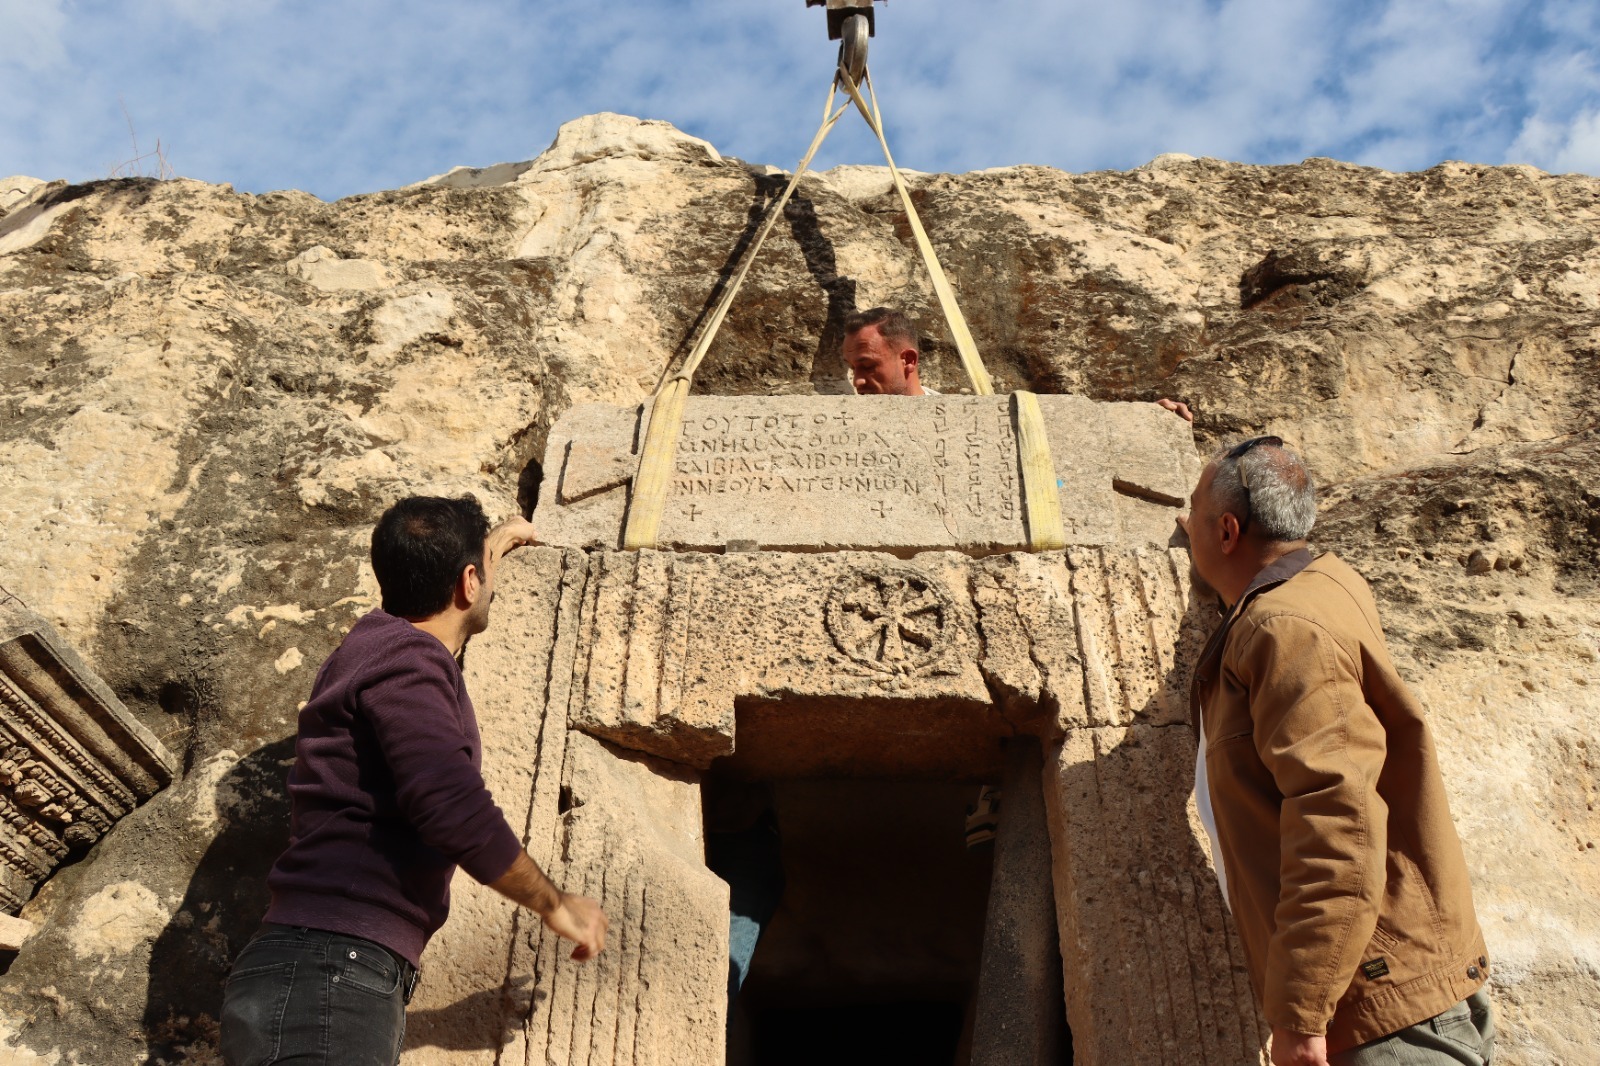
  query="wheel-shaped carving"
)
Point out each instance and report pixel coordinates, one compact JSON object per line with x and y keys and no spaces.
{"x":895,"y":619}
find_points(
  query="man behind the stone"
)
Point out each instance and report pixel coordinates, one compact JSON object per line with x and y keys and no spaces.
{"x":883,"y":358}
{"x":1332,"y":834}
{"x":386,"y":800}
{"x":881,"y":353}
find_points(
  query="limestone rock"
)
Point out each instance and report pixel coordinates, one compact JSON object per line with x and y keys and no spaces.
{"x":195,"y":438}
{"x":320,"y":267}
{"x":14,"y":932}
{"x":613,"y":137}
{"x":17,"y":190}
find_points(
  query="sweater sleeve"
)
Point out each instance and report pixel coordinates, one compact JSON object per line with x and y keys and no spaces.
{"x":1324,"y":747}
{"x":412,"y":704}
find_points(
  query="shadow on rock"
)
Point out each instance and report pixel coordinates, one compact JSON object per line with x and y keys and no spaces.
{"x":221,"y":909}
{"x":483,"y":1021}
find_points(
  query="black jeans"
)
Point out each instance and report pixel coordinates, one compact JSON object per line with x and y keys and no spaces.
{"x":309,"y":997}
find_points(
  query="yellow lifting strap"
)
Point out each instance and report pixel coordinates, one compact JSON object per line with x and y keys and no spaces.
{"x":1041,"y":502}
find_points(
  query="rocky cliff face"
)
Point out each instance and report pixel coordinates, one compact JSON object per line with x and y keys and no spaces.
{"x":208,"y":397}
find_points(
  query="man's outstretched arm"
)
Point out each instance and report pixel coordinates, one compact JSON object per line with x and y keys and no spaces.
{"x":507,"y":536}
{"x":577,"y":918}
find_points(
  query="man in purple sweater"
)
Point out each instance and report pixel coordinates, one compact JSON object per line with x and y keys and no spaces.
{"x":386,"y":800}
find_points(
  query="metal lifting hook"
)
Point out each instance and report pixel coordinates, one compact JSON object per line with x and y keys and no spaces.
{"x":850,"y":23}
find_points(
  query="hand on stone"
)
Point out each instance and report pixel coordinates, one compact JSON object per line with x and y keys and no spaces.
{"x":579,"y":919}
{"x":1177,"y":407}
{"x":1290,"y":1048}
{"x":508,"y":535}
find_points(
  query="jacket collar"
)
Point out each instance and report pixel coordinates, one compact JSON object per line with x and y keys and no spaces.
{"x":1269,"y":577}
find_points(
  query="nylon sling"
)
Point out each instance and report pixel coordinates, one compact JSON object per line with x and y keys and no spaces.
{"x":1041,"y":502}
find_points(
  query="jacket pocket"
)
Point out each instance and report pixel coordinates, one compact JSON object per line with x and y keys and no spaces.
{"x":1383,"y":941}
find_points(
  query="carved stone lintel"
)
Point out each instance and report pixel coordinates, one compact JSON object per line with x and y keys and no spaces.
{"x":900,"y":474}
{"x":72,"y":758}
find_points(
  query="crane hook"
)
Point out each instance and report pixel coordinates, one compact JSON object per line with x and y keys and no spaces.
{"x":850,"y":22}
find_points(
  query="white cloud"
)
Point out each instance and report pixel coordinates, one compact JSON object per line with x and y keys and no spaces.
{"x":368,"y":94}
{"x":1559,"y":131}
{"x":32,"y":37}
{"x":1571,"y":147}
{"x":211,"y":14}
{"x":1581,"y":151}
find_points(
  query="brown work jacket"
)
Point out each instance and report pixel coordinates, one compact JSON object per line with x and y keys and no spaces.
{"x":1345,"y":875}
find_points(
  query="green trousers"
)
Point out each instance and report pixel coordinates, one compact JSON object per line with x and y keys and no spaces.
{"x":1463,"y":1034}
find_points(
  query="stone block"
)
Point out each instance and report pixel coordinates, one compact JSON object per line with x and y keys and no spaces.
{"x":935,"y":658}
{"x":73,"y":759}
{"x":13,"y":932}
{"x":1020,"y":1019}
{"x":629,"y":835}
{"x":1153,"y":969}
{"x":878,"y":473}
{"x":676,"y":646}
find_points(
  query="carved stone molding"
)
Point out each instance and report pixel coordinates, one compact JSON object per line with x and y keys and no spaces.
{"x":73,"y":760}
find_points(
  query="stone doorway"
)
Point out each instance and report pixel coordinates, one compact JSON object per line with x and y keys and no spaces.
{"x":1061,"y":669}
{"x":887,"y":943}
{"x":873,"y":953}
{"x":1058,"y":674}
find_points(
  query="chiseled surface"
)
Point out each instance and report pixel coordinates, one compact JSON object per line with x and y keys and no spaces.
{"x":919,"y":666}
{"x":1124,"y":839}
{"x":208,"y":397}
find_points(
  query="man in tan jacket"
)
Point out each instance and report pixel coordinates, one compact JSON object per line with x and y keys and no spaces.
{"x":1319,"y":784}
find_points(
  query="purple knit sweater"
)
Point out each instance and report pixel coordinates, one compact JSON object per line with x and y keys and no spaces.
{"x":386,"y":794}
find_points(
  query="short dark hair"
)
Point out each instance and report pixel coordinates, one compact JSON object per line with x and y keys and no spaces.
{"x":895,"y":326}
{"x":420,"y":546}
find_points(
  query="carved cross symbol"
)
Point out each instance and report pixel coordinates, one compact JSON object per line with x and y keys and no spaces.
{"x":694,"y":511}
{"x":896,"y":616}
{"x":881,"y":509}
{"x":844,"y":420}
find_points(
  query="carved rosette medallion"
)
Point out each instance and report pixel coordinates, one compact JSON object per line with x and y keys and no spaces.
{"x":892,"y":620}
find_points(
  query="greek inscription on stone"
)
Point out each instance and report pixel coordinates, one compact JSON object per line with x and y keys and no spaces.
{"x":787,"y":454}
{"x":1005,"y":441}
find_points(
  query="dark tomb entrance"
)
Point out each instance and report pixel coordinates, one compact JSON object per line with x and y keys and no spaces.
{"x":873,"y":952}
{"x":874,"y":907}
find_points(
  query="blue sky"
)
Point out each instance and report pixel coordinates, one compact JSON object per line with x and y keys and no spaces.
{"x":345,"y":96}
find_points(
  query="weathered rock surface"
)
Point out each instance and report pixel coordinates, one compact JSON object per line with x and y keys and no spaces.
{"x":206,"y":397}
